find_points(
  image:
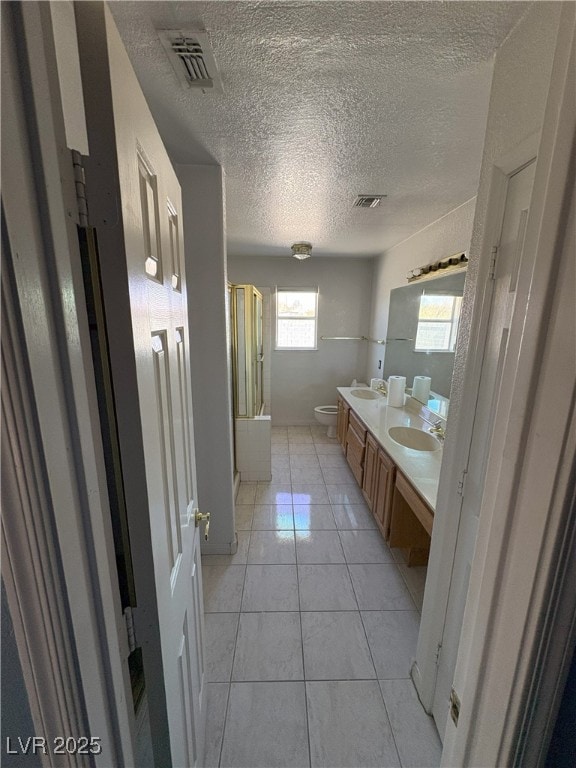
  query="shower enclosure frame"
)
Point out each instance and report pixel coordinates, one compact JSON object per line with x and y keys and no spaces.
{"x":246,"y":306}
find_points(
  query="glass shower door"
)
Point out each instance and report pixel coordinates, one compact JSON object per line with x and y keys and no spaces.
{"x":248,"y":351}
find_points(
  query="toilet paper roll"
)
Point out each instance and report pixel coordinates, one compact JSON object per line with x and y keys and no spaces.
{"x":396,"y":387}
{"x":421,"y":388}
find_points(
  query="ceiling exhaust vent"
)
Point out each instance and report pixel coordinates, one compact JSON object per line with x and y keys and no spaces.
{"x":368,"y":201}
{"x":192,"y":59}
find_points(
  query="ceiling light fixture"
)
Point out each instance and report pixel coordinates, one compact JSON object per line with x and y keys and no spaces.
{"x":302,"y":250}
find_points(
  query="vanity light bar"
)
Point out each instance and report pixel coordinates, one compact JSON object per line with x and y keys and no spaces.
{"x":458,"y":261}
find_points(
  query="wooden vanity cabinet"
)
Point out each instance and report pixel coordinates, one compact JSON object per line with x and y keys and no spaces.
{"x":370,"y":471}
{"x":403,"y":517}
{"x":411,"y":522}
{"x":356,"y":446}
{"x":385,"y":476}
{"x":342,"y":422}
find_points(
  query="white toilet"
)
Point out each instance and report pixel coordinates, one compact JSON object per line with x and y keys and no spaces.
{"x":327,"y":415}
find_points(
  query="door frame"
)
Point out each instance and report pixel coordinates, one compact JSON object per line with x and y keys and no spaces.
{"x":58,"y":554}
{"x":514,"y":629}
{"x":507,"y":167}
{"x":459,"y":442}
{"x":457,"y":445}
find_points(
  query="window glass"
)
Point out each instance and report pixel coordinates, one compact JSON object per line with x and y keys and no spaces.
{"x":296,"y":316}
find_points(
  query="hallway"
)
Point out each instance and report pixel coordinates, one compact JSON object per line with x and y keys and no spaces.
{"x":312,"y":625}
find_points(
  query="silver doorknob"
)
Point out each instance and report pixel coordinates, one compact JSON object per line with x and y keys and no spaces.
{"x":202,"y":518}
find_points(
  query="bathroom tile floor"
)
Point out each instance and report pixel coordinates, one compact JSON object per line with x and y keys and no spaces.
{"x":312,"y":625}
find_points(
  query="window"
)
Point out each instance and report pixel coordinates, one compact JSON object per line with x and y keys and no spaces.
{"x":437,"y":323}
{"x":296,"y":315}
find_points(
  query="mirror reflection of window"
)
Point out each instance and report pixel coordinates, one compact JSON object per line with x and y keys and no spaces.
{"x":438,"y":318}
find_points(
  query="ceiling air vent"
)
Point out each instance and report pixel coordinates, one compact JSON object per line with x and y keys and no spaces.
{"x":192,"y":59}
{"x":368,"y":201}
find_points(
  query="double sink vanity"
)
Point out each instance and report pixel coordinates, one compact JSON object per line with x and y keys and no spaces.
{"x":396,"y":461}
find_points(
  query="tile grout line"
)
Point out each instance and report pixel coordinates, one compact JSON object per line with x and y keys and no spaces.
{"x":390,"y":724}
{"x":303,"y":665}
{"x":377,"y":680}
{"x":302,"y":636}
{"x":234,"y":656}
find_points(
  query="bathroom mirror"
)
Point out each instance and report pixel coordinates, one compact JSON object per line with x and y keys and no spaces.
{"x":427,"y":312}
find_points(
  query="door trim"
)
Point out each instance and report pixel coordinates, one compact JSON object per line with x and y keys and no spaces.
{"x":519,"y":159}
{"x":525,"y":513}
{"x":460,"y":434}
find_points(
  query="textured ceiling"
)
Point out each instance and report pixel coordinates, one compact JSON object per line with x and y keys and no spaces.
{"x":323,"y":101}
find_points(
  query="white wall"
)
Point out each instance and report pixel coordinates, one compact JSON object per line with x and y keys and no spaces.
{"x":303,"y":380}
{"x":446,"y":236}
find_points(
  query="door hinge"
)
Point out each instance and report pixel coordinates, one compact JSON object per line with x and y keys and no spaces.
{"x":80,"y":184}
{"x":438,"y":650}
{"x":130,"y":631}
{"x":462,"y":482}
{"x":454,"y":706}
{"x":493,"y":257}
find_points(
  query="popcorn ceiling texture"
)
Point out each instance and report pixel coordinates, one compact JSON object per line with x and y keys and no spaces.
{"x":323,"y":101}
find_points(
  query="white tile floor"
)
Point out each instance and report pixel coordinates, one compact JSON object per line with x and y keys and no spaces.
{"x":312,"y":625}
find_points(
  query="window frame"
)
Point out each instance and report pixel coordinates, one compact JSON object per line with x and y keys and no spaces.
{"x":286,"y":289}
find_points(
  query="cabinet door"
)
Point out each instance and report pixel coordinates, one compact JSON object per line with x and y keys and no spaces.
{"x":370,"y":467}
{"x":355,"y":448}
{"x":384,"y":485}
{"x":342,"y":423}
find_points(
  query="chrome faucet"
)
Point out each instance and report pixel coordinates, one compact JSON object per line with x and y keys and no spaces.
{"x":437,"y":429}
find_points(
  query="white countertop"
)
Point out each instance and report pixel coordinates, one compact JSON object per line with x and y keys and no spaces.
{"x":422,"y":468}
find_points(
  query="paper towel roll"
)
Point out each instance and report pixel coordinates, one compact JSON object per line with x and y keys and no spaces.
{"x":421,"y":388}
{"x":396,"y":387}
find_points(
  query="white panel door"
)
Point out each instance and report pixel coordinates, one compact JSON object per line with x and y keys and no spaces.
{"x":150,"y":201}
{"x":508,"y":263}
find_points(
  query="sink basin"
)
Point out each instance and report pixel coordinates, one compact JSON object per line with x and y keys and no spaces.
{"x":366,"y":394}
{"x":413,"y":438}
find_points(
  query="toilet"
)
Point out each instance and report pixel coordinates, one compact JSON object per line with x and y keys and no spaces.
{"x":327,"y":415}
